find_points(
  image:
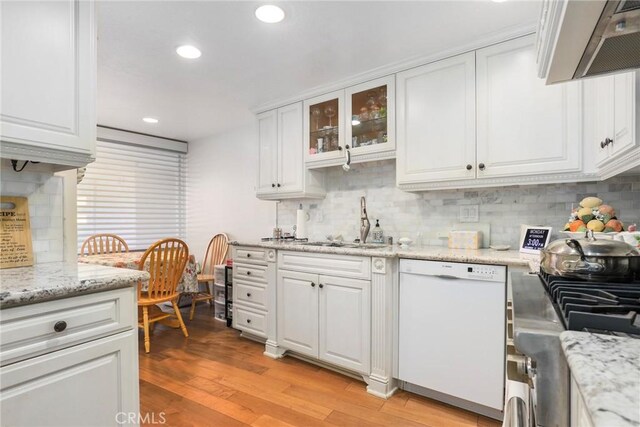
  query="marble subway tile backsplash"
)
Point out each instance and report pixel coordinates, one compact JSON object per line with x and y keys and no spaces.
{"x":426,"y":217}
{"x":45,"y":194}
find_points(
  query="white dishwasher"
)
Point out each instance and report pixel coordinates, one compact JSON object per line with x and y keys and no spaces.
{"x":451,"y":344}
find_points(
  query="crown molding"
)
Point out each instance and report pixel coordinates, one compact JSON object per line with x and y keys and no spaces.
{"x":395,"y":67}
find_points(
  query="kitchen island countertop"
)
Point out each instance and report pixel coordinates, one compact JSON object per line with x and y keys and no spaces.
{"x":607,"y":372}
{"x":56,"y":280}
{"x":435,"y":253}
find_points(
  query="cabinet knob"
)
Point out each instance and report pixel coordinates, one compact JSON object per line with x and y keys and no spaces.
{"x":339,"y":147}
{"x":347,"y":146}
{"x":249,"y":294}
{"x":278,"y":185}
{"x":273,"y":185}
{"x":313,"y":285}
{"x":248,"y":273}
{"x":248,"y":255}
{"x":481,"y":166}
{"x":321,"y":286}
{"x":60,"y":326}
{"x":248,"y":320}
{"x":469,"y":167}
{"x":608,"y":141}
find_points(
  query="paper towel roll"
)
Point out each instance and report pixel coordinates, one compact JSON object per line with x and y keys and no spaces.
{"x":301,"y":224}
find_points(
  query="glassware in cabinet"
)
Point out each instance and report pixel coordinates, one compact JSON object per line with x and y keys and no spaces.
{"x":371,"y":109}
{"x":324,"y":127}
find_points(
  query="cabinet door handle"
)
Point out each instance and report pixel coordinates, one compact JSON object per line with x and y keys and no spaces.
{"x":60,"y":326}
{"x":273,"y":185}
{"x":249,"y":294}
{"x":469,"y":167}
{"x":278,"y":185}
{"x":481,"y":166}
{"x":321,"y":286}
{"x":248,"y":273}
{"x":313,"y":285}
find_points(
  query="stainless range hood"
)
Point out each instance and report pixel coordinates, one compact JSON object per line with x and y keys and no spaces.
{"x":578,"y":39}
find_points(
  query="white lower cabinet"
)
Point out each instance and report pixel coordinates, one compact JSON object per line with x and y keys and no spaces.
{"x":89,"y":384}
{"x":325,"y":317}
{"x":254,"y":293}
{"x":85,"y":373}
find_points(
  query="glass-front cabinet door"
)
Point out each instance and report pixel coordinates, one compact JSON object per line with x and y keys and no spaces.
{"x":324,"y":128}
{"x":371,"y":116}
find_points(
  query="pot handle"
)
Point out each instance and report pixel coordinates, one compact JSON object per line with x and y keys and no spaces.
{"x":574,"y":244}
{"x":582,"y":266}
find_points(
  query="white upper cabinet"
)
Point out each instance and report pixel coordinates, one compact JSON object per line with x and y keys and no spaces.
{"x":616,"y":121}
{"x":324,"y":129}
{"x":436,"y":121}
{"x":48,"y":81}
{"x":524,"y":127}
{"x":281,"y":170}
{"x":357,"y":123}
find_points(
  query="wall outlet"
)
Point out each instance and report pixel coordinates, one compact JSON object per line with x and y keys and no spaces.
{"x":469,"y":213}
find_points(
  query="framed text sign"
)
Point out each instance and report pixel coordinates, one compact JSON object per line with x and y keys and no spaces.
{"x":534,"y":238}
{"x":15,"y":233}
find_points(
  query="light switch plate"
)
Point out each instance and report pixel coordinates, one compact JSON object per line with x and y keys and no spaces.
{"x":469,"y":213}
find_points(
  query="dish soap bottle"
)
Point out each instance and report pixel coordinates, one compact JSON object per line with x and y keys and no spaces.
{"x":377,"y":234}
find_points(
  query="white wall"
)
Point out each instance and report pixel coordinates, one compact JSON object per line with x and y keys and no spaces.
{"x":221,"y":178}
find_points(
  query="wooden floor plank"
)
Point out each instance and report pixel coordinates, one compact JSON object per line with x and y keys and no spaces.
{"x":216,"y":378}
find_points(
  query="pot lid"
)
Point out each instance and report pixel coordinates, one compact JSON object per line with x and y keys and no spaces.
{"x":592,"y":247}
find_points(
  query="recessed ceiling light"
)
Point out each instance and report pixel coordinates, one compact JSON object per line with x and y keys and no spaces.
{"x":498,"y":1}
{"x":188,"y":51}
{"x":270,"y":14}
{"x":150,"y":120}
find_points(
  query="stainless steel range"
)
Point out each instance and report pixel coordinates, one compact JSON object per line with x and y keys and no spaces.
{"x":542,"y":307}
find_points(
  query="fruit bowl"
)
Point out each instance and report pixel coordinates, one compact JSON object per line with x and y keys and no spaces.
{"x":582,"y":234}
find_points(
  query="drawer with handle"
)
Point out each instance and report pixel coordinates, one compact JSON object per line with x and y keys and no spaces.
{"x":32,"y":330}
{"x":250,"y":255}
{"x":250,"y":273}
{"x":252,"y":322}
{"x":255,"y":296}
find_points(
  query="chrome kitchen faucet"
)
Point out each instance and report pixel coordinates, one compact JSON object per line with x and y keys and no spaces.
{"x":364,"y":221}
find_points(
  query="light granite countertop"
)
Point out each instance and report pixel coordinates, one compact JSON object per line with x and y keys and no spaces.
{"x":56,"y":280}
{"x":436,"y":253}
{"x":607,"y":372}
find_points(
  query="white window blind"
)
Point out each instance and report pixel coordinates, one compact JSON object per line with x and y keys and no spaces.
{"x":135,"y":192}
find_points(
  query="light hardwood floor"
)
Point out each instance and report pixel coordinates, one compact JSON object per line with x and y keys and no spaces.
{"x":216,"y":378}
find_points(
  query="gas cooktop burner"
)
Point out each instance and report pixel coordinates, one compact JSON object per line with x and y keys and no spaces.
{"x":600,"y":307}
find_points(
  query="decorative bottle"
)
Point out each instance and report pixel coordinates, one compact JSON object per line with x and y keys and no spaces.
{"x":377,"y":234}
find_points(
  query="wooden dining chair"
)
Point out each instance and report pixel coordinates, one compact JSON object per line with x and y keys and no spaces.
{"x":215,"y":255}
{"x":167,"y":259}
{"x":98,"y":244}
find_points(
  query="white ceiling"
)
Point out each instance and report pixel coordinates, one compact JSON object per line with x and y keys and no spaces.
{"x":246,"y":63}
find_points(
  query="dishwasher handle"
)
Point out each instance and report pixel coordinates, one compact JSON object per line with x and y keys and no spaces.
{"x":447,"y":277}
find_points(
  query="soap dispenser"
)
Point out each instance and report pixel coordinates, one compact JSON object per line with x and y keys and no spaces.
{"x":377,"y":234}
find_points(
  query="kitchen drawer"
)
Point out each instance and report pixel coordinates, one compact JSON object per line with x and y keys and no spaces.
{"x":250,"y":273}
{"x":250,"y":255}
{"x":28,"y":331}
{"x":249,"y":294}
{"x":253,"y":322}
{"x":353,"y":267}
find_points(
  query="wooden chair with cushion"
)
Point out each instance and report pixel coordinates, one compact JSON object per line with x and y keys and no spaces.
{"x":215,"y":255}
{"x":167,"y":259}
{"x":99,"y":244}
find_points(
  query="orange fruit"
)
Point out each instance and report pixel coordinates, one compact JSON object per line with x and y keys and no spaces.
{"x":575,"y":225}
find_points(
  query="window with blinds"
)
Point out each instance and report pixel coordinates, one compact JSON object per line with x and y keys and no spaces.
{"x":133,"y":191}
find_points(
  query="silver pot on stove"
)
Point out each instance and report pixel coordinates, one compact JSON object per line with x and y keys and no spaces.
{"x":592,"y":259}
